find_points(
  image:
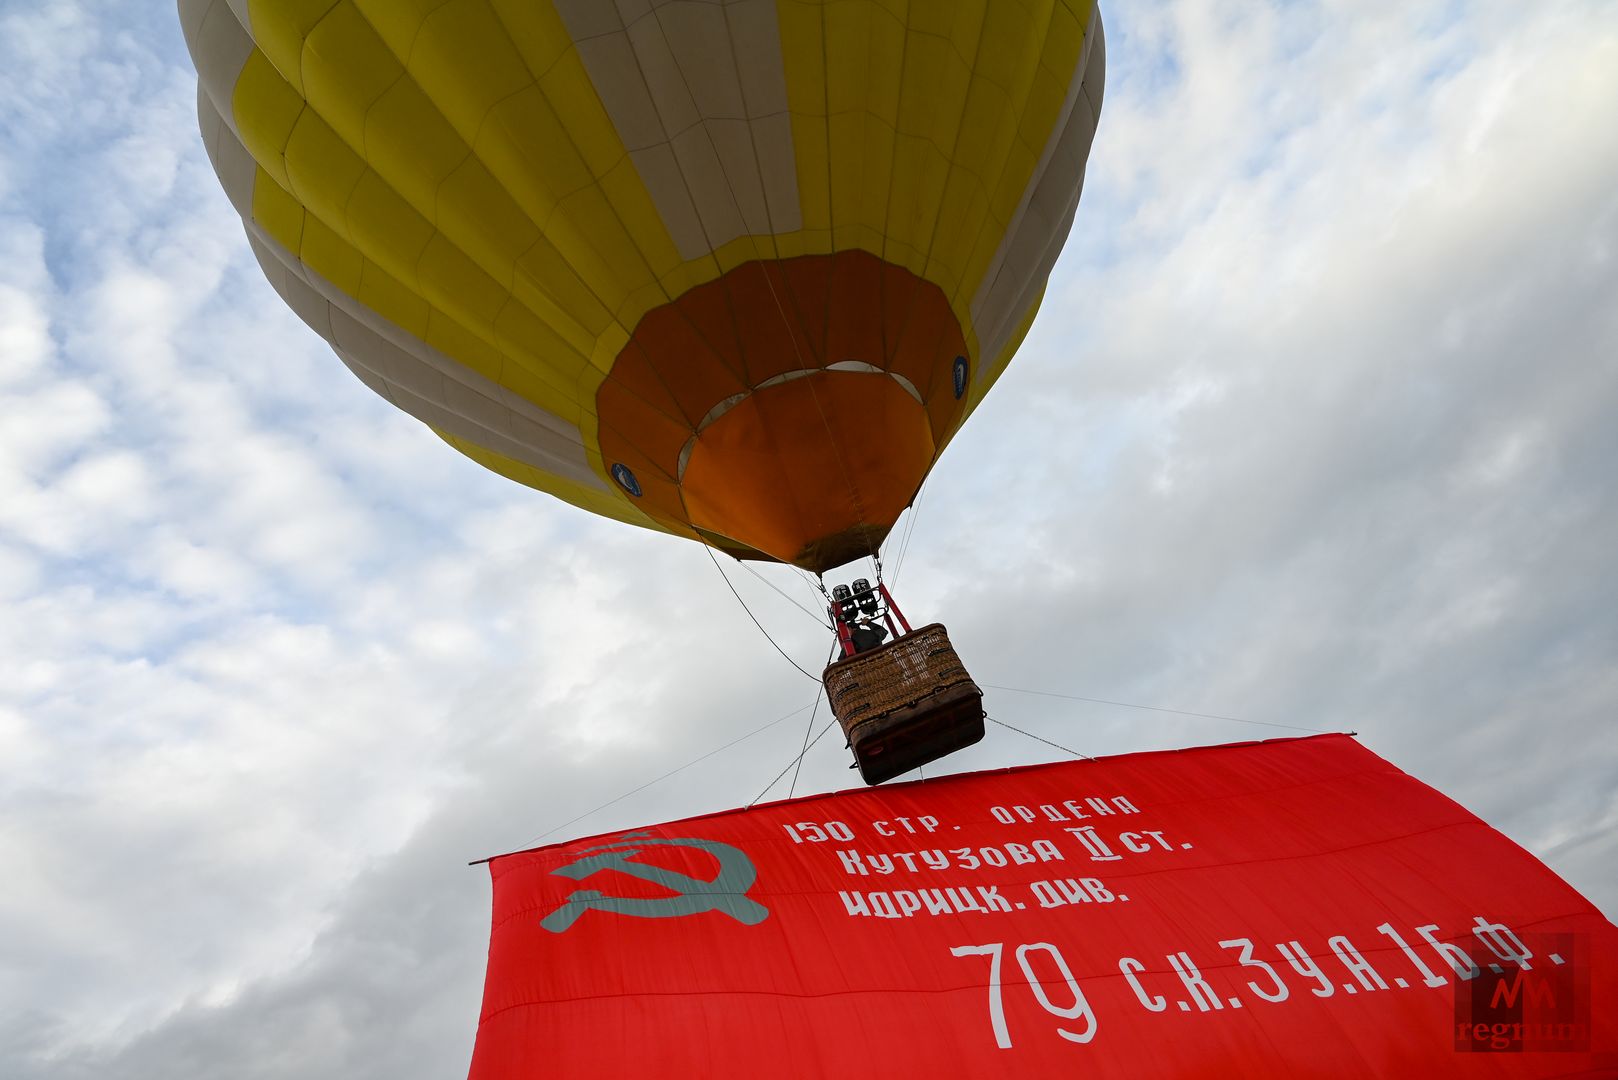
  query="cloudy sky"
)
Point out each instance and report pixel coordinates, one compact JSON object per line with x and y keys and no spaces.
{"x":1316,"y":428}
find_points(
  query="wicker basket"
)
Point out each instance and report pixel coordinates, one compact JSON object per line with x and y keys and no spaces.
{"x":904,"y":704}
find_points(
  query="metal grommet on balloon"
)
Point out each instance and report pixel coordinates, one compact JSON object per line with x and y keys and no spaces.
{"x":960,"y":377}
{"x":626,"y":479}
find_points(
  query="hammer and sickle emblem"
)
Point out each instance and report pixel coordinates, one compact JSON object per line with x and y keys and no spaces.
{"x":726,"y":893}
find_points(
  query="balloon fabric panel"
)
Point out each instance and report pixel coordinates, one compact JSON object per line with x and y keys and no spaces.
{"x":510,"y":210}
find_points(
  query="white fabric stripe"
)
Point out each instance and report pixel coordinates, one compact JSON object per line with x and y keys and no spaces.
{"x":219,"y":48}
{"x":235,"y":167}
{"x":240,"y":8}
{"x":861,"y":366}
{"x":1017,"y":272}
{"x":1044,"y":235}
{"x":421,"y":380}
{"x":697,"y":92}
{"x":1053,"y":238}
{"x":192,"y":13}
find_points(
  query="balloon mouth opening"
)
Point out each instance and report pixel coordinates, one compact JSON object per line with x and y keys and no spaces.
{"x":790,"y":407}
{"x":830,"y":552}
{"x":814,"y":471}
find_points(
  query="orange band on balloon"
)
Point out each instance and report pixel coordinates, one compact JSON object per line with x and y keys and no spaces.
{"x":722,"y":407}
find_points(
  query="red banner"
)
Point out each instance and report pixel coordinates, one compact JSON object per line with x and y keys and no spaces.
{"x":1295,"y":907}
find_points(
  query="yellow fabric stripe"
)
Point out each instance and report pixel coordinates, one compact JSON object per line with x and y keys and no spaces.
{"x":1041,"y":98}
{"x":1002,"y":75}
{"x":940,"y":43}
{"x":918,"y":125}
{"x":546,"y":203}
{"x":362,"y":230}
{"x":279,"y":28}
{"x":265,"y":124}
{"x":511,"y":86}
{"x":370,"y":230}
{"x":406,"y":216}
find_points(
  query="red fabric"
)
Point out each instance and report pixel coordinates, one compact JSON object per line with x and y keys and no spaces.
{"x":1302,"y":840}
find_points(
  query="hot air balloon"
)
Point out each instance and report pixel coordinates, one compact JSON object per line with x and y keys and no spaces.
{"x":733,"y":271}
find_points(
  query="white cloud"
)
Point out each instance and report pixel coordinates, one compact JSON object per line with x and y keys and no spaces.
{"x":50,"y":422}
{"x":196,"y":572}
{"x":24,"y":341}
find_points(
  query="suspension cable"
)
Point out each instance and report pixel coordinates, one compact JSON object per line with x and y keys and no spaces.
{"x":658,"y":780}
{"x":750,"y":615}
{"x":794,"y":761}
{"x":1157,"y":708}
{"x":783,"y":595}
{"x":1038,"y":738}
{"x":807,"y":728}
{"x":910,"y":528}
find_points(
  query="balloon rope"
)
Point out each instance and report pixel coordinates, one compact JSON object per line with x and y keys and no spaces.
{"x":810,"y":726}
{"x":794,"y":761}
{"x":1155,"y":708}
{"x":1037,"y":738}
{"x":783,"y":595}
{"x":807,"y":728}
{"x":910,"y":527}
{"x":816,"y":585}
{"x":750,"y":615}
{"x":657,"y":780}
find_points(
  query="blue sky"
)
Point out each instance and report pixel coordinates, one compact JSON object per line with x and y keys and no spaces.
{"x":1314,"y":429}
